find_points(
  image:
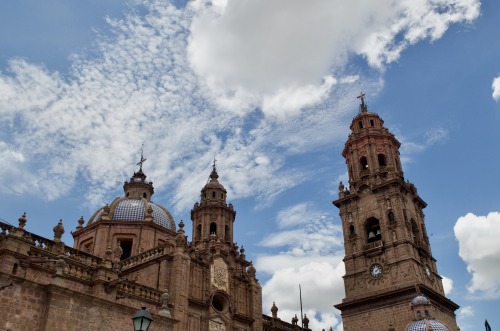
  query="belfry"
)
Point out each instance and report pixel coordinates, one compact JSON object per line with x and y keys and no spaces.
{"x":388,"y":258}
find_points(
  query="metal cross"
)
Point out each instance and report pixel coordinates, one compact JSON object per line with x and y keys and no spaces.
{"x":142,"y":158}
{"x":362,"y":98}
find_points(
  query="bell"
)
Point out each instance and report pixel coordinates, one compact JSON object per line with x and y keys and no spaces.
{"x":371,"y":235}
{"x":378,"y":232}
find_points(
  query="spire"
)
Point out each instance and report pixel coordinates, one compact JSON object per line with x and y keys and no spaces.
{"x":213,"y":174}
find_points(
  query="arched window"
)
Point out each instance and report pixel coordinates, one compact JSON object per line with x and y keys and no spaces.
{"x":364,"y":163}
{"x":352,"y":231}
{"x":419,"y":315}
{"x":227,"y":234}
{"x":198,"y":232}
{"x":373,"y":230}
{"x":213,"y":228}
{"x":213,"y":194}
{"x":382,"y":160}
{"x":415,"y":232}
{"x":390,"y":217}
{"x":427,"y":314}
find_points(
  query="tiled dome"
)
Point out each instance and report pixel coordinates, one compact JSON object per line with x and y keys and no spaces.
{"x":422,"y":326}
{"x":127,"y":209}
{"x":136,"y":203}
{"x":420,"y":300}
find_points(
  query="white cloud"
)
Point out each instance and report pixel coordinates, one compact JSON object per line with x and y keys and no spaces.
{"x":162,"y":78}
{"x":496,"y":88}
{"x":311,"y":256}
{"x":447,"y":285}
{"x":465,"y":312}
{"x":250,"y":51}
{"x":478,"y":247}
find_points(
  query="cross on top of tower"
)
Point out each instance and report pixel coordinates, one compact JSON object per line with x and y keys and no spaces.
{"x":363,"y":106}
{"x":143,"y":159}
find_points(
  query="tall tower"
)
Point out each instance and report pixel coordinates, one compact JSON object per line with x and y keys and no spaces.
{"x":388,"y":258}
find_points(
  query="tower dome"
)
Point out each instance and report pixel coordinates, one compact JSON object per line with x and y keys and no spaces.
{"x":136,"y":205}
{"x":425,"y":325}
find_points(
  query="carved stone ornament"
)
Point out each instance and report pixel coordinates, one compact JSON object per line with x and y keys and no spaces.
{"x":219,"y":274}
{"x":216,"y":325}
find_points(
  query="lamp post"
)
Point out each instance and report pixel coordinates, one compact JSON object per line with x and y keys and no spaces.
{"x":142,"y":320}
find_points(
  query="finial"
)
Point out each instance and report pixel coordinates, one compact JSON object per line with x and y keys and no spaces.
{"x":58,"y":231}
{"x":362,"y":107}
{"x":215,"y":161}
{"x":80,"y":223}
{"x":22,"y":221}
{"x":142,"y":158}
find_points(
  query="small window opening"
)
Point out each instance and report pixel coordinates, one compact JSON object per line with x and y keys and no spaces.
{"x":227,"y":236}
{"x":415,"y":232}
{"x":352,"y":232}
{"x":213,"y":228}
{"x":427,"y":314}
{"x":364,"y":163}
{"x":419,"y":315}
{"x":213,"y":194}
{"x":14,"y":269}
{"x":144,"y":195}
{"x":382,"y":160}
{"x":128,"y":194}
{"x":372,"y":123}
{"x":373,"y":230}
{"x":126,"y":245}
{"x":391,"y":218}
{"x":360,"y":123}
{"x":198,"y":232}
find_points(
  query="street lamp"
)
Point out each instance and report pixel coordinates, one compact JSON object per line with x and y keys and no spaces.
{"x":142,"y":319}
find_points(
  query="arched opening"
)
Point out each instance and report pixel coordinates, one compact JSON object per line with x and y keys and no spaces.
{"x":373,"y":230}
{"x":227,"y":234}
{"x":419,"y":315}
{"x":213,"y":228}
{"x":213,"y":194}
{"x":382,"y":162}
{"x":352,"y":231}
{"x":415,"y":232}
{"x":198,"y":232}
{"x":126,"y":245}
{"x":391,"y":218}
{"x":144,"y":195}
{"x":364,"y":163}
{"x":427,"y":314}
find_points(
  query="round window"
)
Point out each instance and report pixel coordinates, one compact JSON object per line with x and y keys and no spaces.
{"x":220,"y":302}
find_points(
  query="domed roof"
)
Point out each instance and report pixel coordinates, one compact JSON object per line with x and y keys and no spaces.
{"x":127,"y":209}
{"x":420,"y":300}
{"x":422,"y":325}
{"x":213,"y":183}
{"x":136,"y":205}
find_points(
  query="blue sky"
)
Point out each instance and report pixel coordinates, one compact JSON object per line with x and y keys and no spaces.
{"x":270,"y":87}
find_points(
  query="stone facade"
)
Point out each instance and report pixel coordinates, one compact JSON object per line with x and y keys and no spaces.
{"x":388,"y":257}
{"x":129,"y":255}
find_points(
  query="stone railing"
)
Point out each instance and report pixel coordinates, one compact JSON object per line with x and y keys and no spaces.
{"x":128,"y":288}
{"x":146,"y":256}
{"x":374,"y":245}
{"x":6,"y":229}
{"x":270,"y":324}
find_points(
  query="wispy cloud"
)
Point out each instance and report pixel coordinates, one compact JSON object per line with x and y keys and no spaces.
{"x":205,"y":78}
{"x":310,"y":253}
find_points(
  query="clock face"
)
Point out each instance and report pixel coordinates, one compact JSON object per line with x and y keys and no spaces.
{"x":376,"y":270}
{"x":428,"y":271}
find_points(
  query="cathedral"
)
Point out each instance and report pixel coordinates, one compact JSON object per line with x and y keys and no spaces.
{"x":131,"y":254}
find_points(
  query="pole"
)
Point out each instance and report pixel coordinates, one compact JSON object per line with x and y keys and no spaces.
{"x":301,"y":314}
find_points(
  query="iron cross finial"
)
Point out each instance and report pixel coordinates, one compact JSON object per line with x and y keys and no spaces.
{"x":142,"y":158}
{"x":362,"y":98}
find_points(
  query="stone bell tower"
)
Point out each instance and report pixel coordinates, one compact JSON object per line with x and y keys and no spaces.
{"x":388,"y":257}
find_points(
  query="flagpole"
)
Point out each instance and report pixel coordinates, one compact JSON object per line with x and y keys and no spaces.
{"x":301,"y":314}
